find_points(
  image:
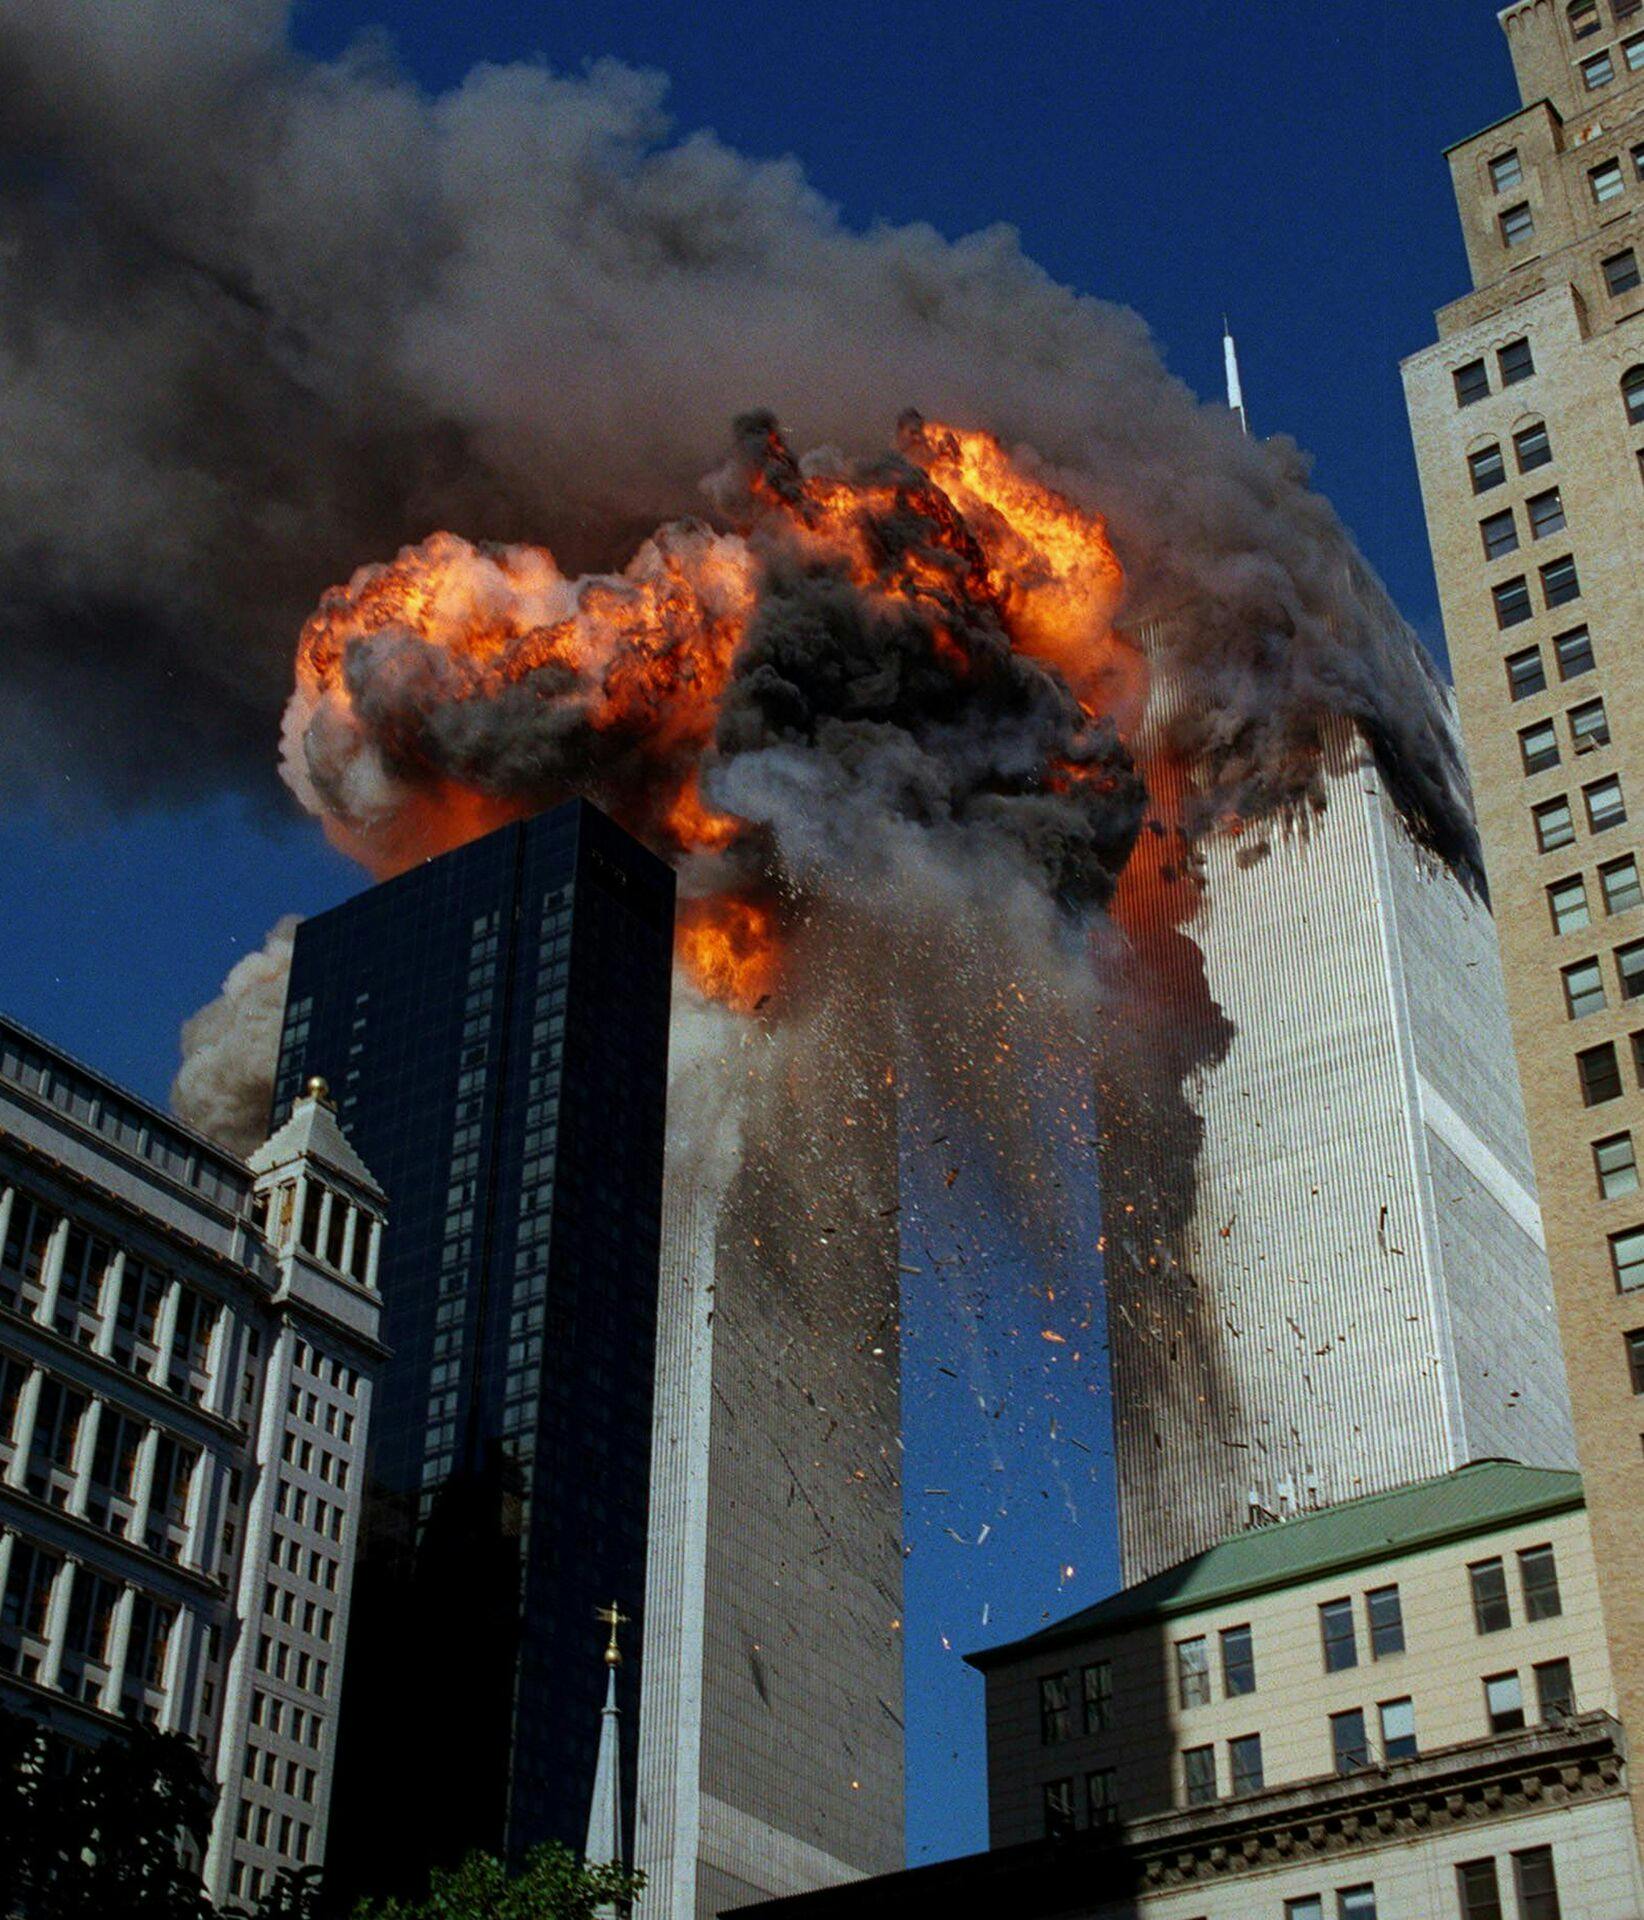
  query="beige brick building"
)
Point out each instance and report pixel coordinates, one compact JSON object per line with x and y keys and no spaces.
{"x":1528,"y":418}
{"x":1395,"y":1708}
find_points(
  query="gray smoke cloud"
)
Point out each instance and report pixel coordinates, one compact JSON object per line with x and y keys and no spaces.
{"x":230,"y":1046}
{"x":269,"y":318}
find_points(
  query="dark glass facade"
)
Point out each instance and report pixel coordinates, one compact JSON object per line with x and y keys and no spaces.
{"x":494,"y":1026}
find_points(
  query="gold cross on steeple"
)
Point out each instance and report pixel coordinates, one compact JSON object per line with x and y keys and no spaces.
{"x":613,"y":1617}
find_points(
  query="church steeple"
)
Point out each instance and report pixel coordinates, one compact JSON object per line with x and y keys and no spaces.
{"x":603,"y":1846}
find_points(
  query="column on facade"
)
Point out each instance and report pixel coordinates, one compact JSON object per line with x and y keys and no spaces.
{"x":200,"y":1509}
{"x":56,"y":1628}
{"x":223,"y":1362}
{"x":28,"y":1407}
{"x":8,"y":1196}
{"x":142,"y":1486}
{"x":376,"y":1249}
{"x":119,"y":1645}
{"x":351,"y":1228}
{"x":179,"y":1664}
{"x":51,"y":1272}
{"x":321,"y":1238}
{"x":108,"y":1306}
{"x":85,"y":1451}
{"x":165,"y":1331}
{"x":5,"y":1561}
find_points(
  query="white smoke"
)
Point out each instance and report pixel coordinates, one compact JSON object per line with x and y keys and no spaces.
{"x":226,"y":1081}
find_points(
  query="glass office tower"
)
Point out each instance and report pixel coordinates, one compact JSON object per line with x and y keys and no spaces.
{"x":494,"y":1026}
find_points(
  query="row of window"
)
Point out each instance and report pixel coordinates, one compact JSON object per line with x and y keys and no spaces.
{"x":281,"y":1604}
{"x":1514,"y":362}
{"x":1585,"y":18}
{"x":1619,"y":886}
{"x":286,"y":1719}
{"x":290,"y":1838}
{"x":1478,"y":1892}
{"x":1560,"y":584}
{"x":291,"y":1554}
{"x":263,"y":1766}
{"x":1554,"y":821}
{"x":1584,"y":990}
{"x":1599,"y":69}
{"x":303,"y":1454}
{"x":1487,"y":465}
{"x":1589,"y":727}
{"x":1608,"y":180}
{"x":1598,"y":1069}
{"x":317,"y":1412}
{"x":284,"y":1662}
{"x":1538,"y":1585}
{"x":1499,"y":531}
{"x":295,"y":1504}
{"x":1527,"y":674}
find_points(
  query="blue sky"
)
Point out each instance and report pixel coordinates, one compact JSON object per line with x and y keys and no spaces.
{"x":1280,"y":161}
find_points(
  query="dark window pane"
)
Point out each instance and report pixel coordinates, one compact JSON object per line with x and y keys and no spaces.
{"x":1619,"y":879}
{"x":1627,"y":1258}
{"x":1525,"y":674}
{"x":1478,"y":1890}
{"x":1538,"y":746}
{"x":1555,"y":1692}
{"x":1575,"y":653}
{"x":1532,"y":447}
{"x":1538,"y":1574}
{"x":1560,"y":582}
{"x":1491,"y":1611}
{"x":1499,"y":533}
{"x":1487,"y":468}
{"x":1098,"y":1683}
{"x":1621,"y":272}
{"x":1199,"y":1774}
{"x":1537,"y":1886}
{"x":1058,"y":1808}
{"x":1238,"y":1661}
{"x":1632,"y":394}
{"x":1193,"y":1671}
{"x":1600,"y":1074}
{"x":1512,"y":601}
{"x":1347,"y":1741}
{"x":1546,"y":511}
{"x":1472,"y":383}
{"x":1515,"y":359}
{"x":1517,"y":225}
{"x":1245,"y":1763}
{"x":1336,"y":1633}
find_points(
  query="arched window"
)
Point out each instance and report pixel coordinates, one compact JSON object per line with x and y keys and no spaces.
{"x":1632,"y":394}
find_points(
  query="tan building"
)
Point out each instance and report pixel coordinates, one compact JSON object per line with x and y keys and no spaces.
{"x":1528,"y":417}
{"x":1396,"y":1708}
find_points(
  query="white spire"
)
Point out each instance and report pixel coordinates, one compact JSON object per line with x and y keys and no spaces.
{"x":1235,"y":392}
{"x":603,"y":1847}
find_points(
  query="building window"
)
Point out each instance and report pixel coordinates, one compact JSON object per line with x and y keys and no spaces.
{"x":1589,"y":727}
{"x":1491,"y":1611}
{"x":1554,"y":826}
{"x":1058,"y":1808}
{"x":1584,"y":18}
{"x":1598,"y":72}
{"x":1546,"y":511}
{"x":1619,"y":879}
{"x":1055,"y":1721}
{"x":1538,"y":747}
{"x":1512,"y":601}
{"x":1098,"y":1685}
{"x":1487,"y":468}
{"x":1532,"y":448}
{"x":1600,"y":1074}
{"x":1606,"y":182}
{"x":1472,"y":383}
{"x":1398,"y":1729}
{"x":1632,"y":394}
{"x":1336,"y":1632}
{"x":1616,"y":1165}
{"x":1560,"y":582}
{"x":1386,"y":1614}
{"x":1356,"y":1903}
{"x":1518,"y":224}
{"x":1537,"y":1886}
{"x":1478,"y":1891}
{"x":1238,"y":1661}
{"x":1309,"y":1907}
{"x":1632,"y":51}
{"x":1244,"y":1759}
{"x":1627,"y":1257}
{"x":1101,"y":1796}
{"x":1499,"y":533}
{"x":1516,"y":362}
{"x":1575,"y":653}
{"x":1504,"y":1702}
{"x":1199,"y":1775}
{"x":1525,"y":674}
{"x":1629,"y":967}
{"x":1348,"y":1747}
{"x":1506,"y":171}
{"x":1583,"y":989}
{"x":1193,"y":1671}
{"x":1605,"y":806}
{"x":1567,"y":902}
{"x":1621,"y":272}
{"x":1555,"y":1691}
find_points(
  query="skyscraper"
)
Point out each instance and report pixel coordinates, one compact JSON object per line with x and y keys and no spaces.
{"x":495,"y":1023}
{"x":1528,"y":418}
{"x":1324,"y":1263}
{"x":771,"y":1712}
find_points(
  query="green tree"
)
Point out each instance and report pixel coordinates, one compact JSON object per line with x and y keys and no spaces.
{"x":553,"y":1885}
{"x":89,"y":1835}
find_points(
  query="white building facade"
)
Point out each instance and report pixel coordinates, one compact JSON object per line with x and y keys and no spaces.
{"x":184,"y":1404}
{"x":1324,"y":1261}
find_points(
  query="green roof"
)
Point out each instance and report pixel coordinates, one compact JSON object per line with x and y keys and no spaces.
{"x":1479,"y":1498}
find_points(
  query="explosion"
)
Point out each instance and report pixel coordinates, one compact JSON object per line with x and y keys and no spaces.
{"x":909,"y":657}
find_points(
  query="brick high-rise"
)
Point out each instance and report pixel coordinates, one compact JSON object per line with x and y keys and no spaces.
{"x":1528,"y":418}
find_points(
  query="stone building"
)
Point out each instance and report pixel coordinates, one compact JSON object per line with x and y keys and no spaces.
{"x":187,"y":1348}
{"x":1397,"y":1708}
{"x":1528,"y":420}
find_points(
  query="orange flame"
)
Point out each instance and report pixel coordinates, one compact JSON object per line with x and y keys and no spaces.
{"x":641,"y":660}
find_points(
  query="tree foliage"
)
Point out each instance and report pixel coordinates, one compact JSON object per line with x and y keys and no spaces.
{"x":553,"y":1885}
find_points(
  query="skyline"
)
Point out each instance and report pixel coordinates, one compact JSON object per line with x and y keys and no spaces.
{"x":208,"y":881}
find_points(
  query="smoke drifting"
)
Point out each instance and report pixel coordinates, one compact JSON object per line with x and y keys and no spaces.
{"x":269,"y":319}
{"x":229,"y":1047}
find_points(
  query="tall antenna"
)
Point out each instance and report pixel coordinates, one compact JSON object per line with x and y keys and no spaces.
{"x":1235,"y":392}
